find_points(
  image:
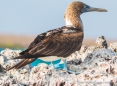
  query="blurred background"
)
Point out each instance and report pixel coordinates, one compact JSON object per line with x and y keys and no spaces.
{"x":22,"y":20}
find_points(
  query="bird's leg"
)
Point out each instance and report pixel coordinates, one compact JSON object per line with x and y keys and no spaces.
{"x":65,"y":69}
{"x":52,"y":65}
{"x":69,"y":71}
{"x":65,"y":64}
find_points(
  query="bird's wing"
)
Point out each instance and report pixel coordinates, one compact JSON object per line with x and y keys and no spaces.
{"x":59,"y":42}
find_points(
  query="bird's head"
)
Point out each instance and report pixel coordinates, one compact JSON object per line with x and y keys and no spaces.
{"x":81,"y":7}
{"x":75,"y":9}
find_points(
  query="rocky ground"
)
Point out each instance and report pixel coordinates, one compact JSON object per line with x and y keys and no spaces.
{"x":96,"y":64}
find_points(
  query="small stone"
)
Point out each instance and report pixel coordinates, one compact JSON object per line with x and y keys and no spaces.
{"x":112,"y":83}
{"x":101,"y":41}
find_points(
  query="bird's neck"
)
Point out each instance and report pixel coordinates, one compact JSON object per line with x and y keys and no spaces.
{"x":74,"y":20}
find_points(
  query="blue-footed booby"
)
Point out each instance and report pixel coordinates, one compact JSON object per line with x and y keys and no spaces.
{"x":60,"y":42}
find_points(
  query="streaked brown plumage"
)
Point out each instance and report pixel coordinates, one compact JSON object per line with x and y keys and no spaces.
{"x":60,"y":42}
{"x":73,"y":12}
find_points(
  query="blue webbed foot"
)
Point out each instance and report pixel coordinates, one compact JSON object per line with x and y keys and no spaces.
{"x":65,"y":68}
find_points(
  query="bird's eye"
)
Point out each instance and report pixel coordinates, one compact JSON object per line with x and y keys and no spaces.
{"x":84,"y":6}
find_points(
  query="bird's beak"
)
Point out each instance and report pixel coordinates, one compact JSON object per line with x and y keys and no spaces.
{"x":90,"y":9}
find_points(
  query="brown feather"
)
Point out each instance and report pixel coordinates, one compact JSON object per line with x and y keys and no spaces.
{"x":22,"y":63}
{"x":73,"y":12}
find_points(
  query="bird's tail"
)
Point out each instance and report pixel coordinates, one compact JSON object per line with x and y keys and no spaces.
{"x":27,"y":58}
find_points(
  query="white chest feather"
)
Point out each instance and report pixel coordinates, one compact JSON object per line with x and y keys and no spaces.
{"x":68,"y":22}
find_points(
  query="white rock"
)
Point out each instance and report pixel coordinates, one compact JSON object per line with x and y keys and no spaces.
{"x":1,"y":60}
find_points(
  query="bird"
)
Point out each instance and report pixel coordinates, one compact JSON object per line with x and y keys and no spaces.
{"x":60,"y":42}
